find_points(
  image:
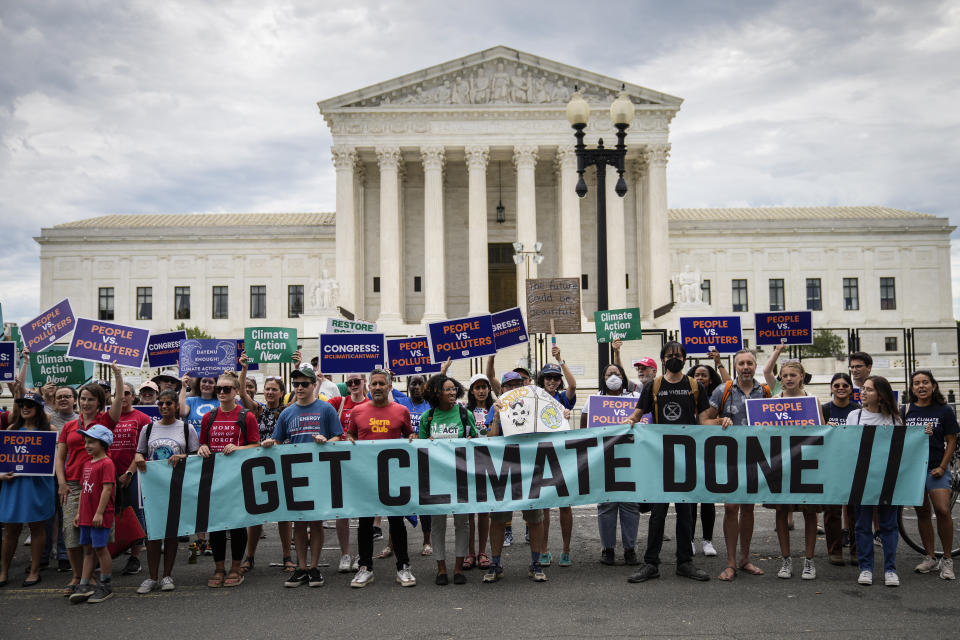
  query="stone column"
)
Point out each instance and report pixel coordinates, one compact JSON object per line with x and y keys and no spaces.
{"x":477,"y":157}
{"x":638,"y":184}
{"x":391,"y":263}
{"x":658,"y":238}
{"x":570,"y":257}
{"x":347,"y":233}
{"x":525,"y":159}
{"x":616,"y":245}
{"x":434,"y":271}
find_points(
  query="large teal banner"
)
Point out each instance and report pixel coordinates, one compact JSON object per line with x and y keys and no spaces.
{"x":639,"y":463}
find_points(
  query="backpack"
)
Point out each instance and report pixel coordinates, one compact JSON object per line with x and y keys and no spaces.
{"x":694,"y":389}
{"x":728,"y":389}
{"x":186,"y":435}
{"x":464,"y":418}
{"x":241,"y":422}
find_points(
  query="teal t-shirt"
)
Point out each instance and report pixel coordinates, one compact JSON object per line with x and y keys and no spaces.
{"x":447,"y":424}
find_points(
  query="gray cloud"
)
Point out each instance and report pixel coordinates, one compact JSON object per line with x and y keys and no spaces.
{"x":210,"y":106}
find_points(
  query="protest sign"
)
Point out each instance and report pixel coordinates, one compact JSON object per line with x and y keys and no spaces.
{"x":28,"y":453}
{"x":617,"y":324}
{"x":351,"y":352}
{"x":163,"y":349}
{"x":207,"y":357}
{"x":106,"y":342}
{"x":342,"y":325}
{"x":530,"y":409}
{"x":787,"y":327}
{"x":269,"y":344}
{"x":798,"y":411}
{"x":54,"y":365}
{"x":699,"y":334}
{"x":556,"y":299}
{"x":648,"y":463}
{"x":15,"y":337}
{"x":8,"y":361}
{"x":855,"y":396}
{"x":461,"y":338}
{"x":409,"y":356}
{"x":604,"y":411}
{"x":251,"y":366}
{"x":509,"y":328}
{"x":48,"y":327}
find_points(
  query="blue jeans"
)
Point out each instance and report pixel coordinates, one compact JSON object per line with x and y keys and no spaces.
{"x":607,"y":522}
{"x":889,"y":536}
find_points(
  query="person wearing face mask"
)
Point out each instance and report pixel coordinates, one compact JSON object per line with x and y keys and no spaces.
{"x":612,"y":383}
{"x":727,"y":407}
{"x":672,"y":399}
{"x":550,"y":381}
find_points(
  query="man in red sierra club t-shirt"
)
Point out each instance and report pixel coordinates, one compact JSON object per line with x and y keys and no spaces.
{"x":381,"y":419}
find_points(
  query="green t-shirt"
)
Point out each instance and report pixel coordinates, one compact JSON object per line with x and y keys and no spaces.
{"x":447,"y":424}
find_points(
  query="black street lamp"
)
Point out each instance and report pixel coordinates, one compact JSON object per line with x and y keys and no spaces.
{"x":621,"y":114}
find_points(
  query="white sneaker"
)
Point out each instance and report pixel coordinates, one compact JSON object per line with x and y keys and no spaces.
{"x":891,"y":579}
{"x":693,"y":545}
{"x":786,"y":569}
{"x":147,"y":586}
{"x":866,"y":578}
{"x":928,"y":564}
{"x":355,"y":565}
{"x":363,"y":578}
{"x":344,"y":566}
{"x":405,"y":578}
{"x":946,"y":569}
{"x":166,"y":584}
{"x":809,"y":571}
{"x":708,"y":549}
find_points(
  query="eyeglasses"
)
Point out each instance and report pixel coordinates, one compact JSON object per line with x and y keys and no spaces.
{"x":226,"y":389}
{"x":354,"y":382}
{"x":300,"y":383}
{"x":166,"y":403}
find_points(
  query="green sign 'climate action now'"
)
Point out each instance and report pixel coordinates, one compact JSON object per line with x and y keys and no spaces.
{"x":53,"y":365}
{"x":617,"y":324}
{"x":269,"y":344}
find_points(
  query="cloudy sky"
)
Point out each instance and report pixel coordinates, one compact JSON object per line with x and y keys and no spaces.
{"x":168,"y":107}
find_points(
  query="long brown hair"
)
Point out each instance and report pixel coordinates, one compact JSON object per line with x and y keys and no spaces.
{"x":40,"y":421}
{"x":887,"y":403}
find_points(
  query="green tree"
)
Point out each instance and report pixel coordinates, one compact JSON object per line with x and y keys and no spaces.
{"x":826,"y":344}
{"x":193,"y":332}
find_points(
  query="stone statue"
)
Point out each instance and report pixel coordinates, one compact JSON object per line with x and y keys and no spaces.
{"x":501,"y":84}
{"x":480,"y":87}
{"x":325,"y":293}
{"x":461,"y":91}
{"x":687,"y":285}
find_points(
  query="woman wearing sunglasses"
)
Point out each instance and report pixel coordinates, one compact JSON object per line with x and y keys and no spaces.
{"x":837,"y":519}
{"x":226,"y":429}
{"x":171,"y":440}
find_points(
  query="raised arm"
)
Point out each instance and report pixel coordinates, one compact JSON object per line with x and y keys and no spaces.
{"x":492,"y":376}
{"x":571,"y":389}
{"x":718,"y":365}
{"x":184,"y":407}
{"x":116,"y":407}
{"x":245,"y":398}
{"x":768,"y":368}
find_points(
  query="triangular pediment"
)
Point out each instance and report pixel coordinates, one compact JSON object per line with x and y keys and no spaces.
{"x":497,"y":76}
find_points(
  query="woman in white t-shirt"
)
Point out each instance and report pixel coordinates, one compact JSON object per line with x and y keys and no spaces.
{"x":879,"y":407}
{"x":613,"y":381}
{"x":166,"y":439}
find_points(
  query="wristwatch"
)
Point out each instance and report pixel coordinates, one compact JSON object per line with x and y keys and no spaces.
{"x":128,"y":473}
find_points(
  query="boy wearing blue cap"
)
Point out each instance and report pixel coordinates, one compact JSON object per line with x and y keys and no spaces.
{"x":95,"y":516}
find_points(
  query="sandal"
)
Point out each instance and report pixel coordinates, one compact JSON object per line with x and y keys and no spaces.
{"x":469,"y":561}
{"x":247,"y":565}
{"x":216,"y":581}
{"x":427,"y":550}
{"x":483,"y":561}
{"x":752,"y":569}
{"x":386,"y":553}
{"x":69,"y":589}
{"x":233,"y":580}
{"x":289,"y":566}
{"x":728,"y":574}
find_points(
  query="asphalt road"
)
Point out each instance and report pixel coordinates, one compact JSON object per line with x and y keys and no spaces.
{"x":586,"y":600}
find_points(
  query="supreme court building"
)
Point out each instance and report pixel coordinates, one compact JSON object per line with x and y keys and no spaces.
{"x":422,"y":162}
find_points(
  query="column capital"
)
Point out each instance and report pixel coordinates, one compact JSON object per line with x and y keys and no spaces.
{"x":433,"y":158}
{"x":525,"y":156}
{"x":639,"y":168}
{"x":566,"y":156}
{"x":657,"y":155}
{"x":344,"y":156}
{"x":477,"y":156}
{"x":389,"y":157}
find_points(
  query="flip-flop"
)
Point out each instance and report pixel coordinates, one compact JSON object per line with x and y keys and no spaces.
{"x":247,"y":565}
{"x":469,"y":561}
{"x":386,"y":553}
{"x":30,"y":583}
{"x":752,"y":569}
{"x":232,"y":581}
{"x":483,"y":561}
{"x":731,"y":575}
{"x":216,"y":581}
{"x":427,"y":550}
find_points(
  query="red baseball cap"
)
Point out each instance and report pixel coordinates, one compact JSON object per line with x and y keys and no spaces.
{"x":645,"y":362}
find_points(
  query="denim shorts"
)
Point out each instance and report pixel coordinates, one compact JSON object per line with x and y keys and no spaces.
{"x":97,"y":537}
{"x":943,"y":482}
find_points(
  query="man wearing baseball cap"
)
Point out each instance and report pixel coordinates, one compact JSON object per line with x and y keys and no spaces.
{"x":646,"y":368}
{"x":148,"y":392}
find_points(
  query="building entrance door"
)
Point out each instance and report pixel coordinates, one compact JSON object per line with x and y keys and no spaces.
{"x":502,"y":276}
